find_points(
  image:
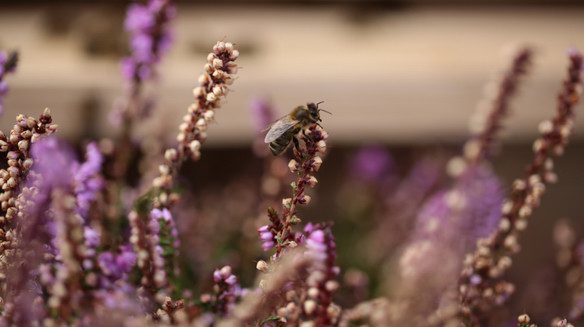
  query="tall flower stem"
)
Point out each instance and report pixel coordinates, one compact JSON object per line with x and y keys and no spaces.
{"x":479,"y":286}
{"x":148,"y":229}
{"x":307,"y":162}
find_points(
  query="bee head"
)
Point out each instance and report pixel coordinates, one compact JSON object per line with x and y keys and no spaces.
{"x":314,"y":111}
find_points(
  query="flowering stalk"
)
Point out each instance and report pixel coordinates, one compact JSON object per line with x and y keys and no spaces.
{"x":150,"y":38}
{"x":318,"y":307}
{"x":226,"y":291}
{"x":488,"y":118}
{"x":34,"y":245}
{"x":66,"y":290}
{"x":8,"y":63}
{"x":455,"y":217}
{"x":479,"y":286}
{"x":570,"y":260}
{"x":145,"y":240}
{"x":88,"y":179}
{"x":213,"y":84}
{"x":525,"y":321}
{"x":263,"y":301}
{"x":25,"y":132}
{"x":371,"y":313}
{"x":308,"y":161}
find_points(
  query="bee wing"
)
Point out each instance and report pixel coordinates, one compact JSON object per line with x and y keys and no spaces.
{"x":279,"y":127}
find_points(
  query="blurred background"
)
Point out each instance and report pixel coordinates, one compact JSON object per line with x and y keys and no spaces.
{"x":403,"y":75}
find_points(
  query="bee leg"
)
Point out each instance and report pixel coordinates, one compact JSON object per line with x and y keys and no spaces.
{"x":306,"y":135}
{"x":296,"y":143}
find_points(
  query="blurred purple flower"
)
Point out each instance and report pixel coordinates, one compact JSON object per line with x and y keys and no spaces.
{"x":138,"y":18}
{"x":267,"y":237}
{"x":262,"y":114}
{"x":372,"y":164}
{"x":227,"y":290}
{"x":53,"y":161}
{"x":88,"y":181}
{"x":470,"y":209}
{"x":150,"y":37}
{"x":117,"y":265}
{"x":7,"y":65}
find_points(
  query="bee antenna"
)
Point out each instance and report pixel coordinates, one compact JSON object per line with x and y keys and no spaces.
{"x":328,"y":112}
{"x":319,"y":103}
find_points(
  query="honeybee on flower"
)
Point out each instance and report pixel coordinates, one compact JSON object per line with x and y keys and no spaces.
{"x":286,"y":129}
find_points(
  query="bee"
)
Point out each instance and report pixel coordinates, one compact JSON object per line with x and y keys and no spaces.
{"x":286,"y":129}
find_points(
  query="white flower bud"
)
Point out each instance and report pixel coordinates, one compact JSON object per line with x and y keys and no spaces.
{"x":198,"y":91}
{"x":309,"y":307}
{"x":211,"y":97}
{"x":195,"y":146}
{"x":218,"y":90}
{"x":262,"y":266}
{"x":209,"y":115}
{"x":316,"y":163}
{"x":293,"y":165}
{"x":217,"y":63}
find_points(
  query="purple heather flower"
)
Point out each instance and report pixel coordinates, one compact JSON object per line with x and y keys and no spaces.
{"x":262,"y":114}
{"x":165,"y":215}
{"x":150,"y":37}
{"x":3,"y":88}
{"x":138,"y":18}
{"x":91,"y":236}
{"x":118,"y":265}
{"x":227,"y":290}
{"x":471,"y":208}
{"x":88,"y":181}
{"x":372,"y":164}
{"x":7,"y":65}
{"x":267,"y":237}
{"x":53,"y":161}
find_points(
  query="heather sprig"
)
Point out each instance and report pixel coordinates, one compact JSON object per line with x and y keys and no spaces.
{"x":226,"y":292}
{"x":150,"y":38}
{"x":149,"y":26}
{"x":8,"y":63}
{"x":150,"y":237}
{"x":570,"y":261}
{"x":214,"y":84}
{"x":88,"y":180}
{"x":306,"y":163}
{"x":318,"y":307}
{"x":25,"y":132}
{"x":480,"y":287}
{"x":260,"y":303}
{"x":525,"y":321}
{"x":491,"y":111}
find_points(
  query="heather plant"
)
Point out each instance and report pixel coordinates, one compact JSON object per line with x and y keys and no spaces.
{"x":82,"y":245}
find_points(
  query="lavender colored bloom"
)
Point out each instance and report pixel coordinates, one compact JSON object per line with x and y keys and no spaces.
{"x":138,"y":18}
{"x":372,"y":164}
{"x":150,"y":37}
{"x":88,"y":181}
{"x":53,"y":161}
{"x":470,"y":208}
{"x":7,"y":65}
{"x":227,"y":290}
{"x":165,"y":215}
{"x":117,"y":265}
{"x":262,"y":114}
{"x":267,"y":237}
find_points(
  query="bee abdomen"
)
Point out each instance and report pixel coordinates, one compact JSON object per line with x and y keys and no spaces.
{"x":280,"y":144}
